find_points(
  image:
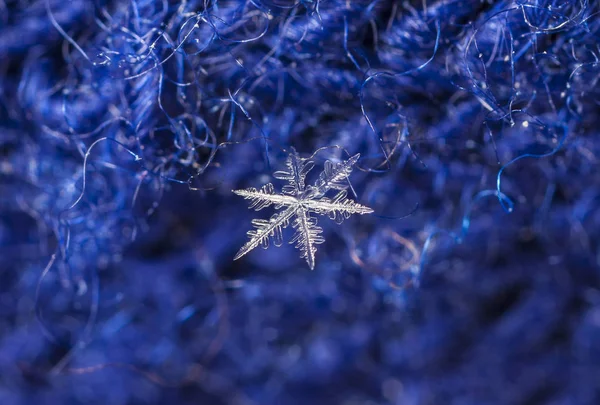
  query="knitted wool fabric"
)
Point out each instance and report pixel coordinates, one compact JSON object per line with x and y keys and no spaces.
{"x":124,"y":126}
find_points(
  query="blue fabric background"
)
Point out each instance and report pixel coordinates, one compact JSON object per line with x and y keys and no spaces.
{"x":124,"y":126}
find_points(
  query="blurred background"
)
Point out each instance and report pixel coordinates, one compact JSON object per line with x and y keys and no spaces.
{"x":124,"y":126}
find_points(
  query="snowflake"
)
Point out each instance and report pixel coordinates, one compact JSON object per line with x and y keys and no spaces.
{"x":297,"y":202}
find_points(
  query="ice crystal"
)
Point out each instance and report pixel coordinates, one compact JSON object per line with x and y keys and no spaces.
{"x":297,"y":202}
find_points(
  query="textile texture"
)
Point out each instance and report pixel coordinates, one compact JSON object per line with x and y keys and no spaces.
{"x":126,"y":124}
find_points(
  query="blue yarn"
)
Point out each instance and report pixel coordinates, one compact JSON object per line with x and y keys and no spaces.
{"x":125,"y":124}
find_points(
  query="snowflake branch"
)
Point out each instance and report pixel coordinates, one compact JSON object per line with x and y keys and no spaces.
{"x":339,"y":208}
{"x":266,"y":229}
{"x":308,"y":234}
{"x":264,"y":197}
{"x":333,"y":177}
{"x":295,"y":175}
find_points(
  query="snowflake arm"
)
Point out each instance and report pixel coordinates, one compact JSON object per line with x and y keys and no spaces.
{"x":265,"y":197}
{"x":308,"y":234}
{"x":339,"y":208}
{"x":295,"y":175}
{"x":265,"y":229}
{"x":334,"y":176}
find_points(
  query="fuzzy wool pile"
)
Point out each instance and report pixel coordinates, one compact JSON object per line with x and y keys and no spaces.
{"x":126,"y":124}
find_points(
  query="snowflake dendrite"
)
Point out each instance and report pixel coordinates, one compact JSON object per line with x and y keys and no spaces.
{"x":297,"y":202}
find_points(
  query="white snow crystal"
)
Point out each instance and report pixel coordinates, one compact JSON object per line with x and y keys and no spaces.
{"x":297,"y":202}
